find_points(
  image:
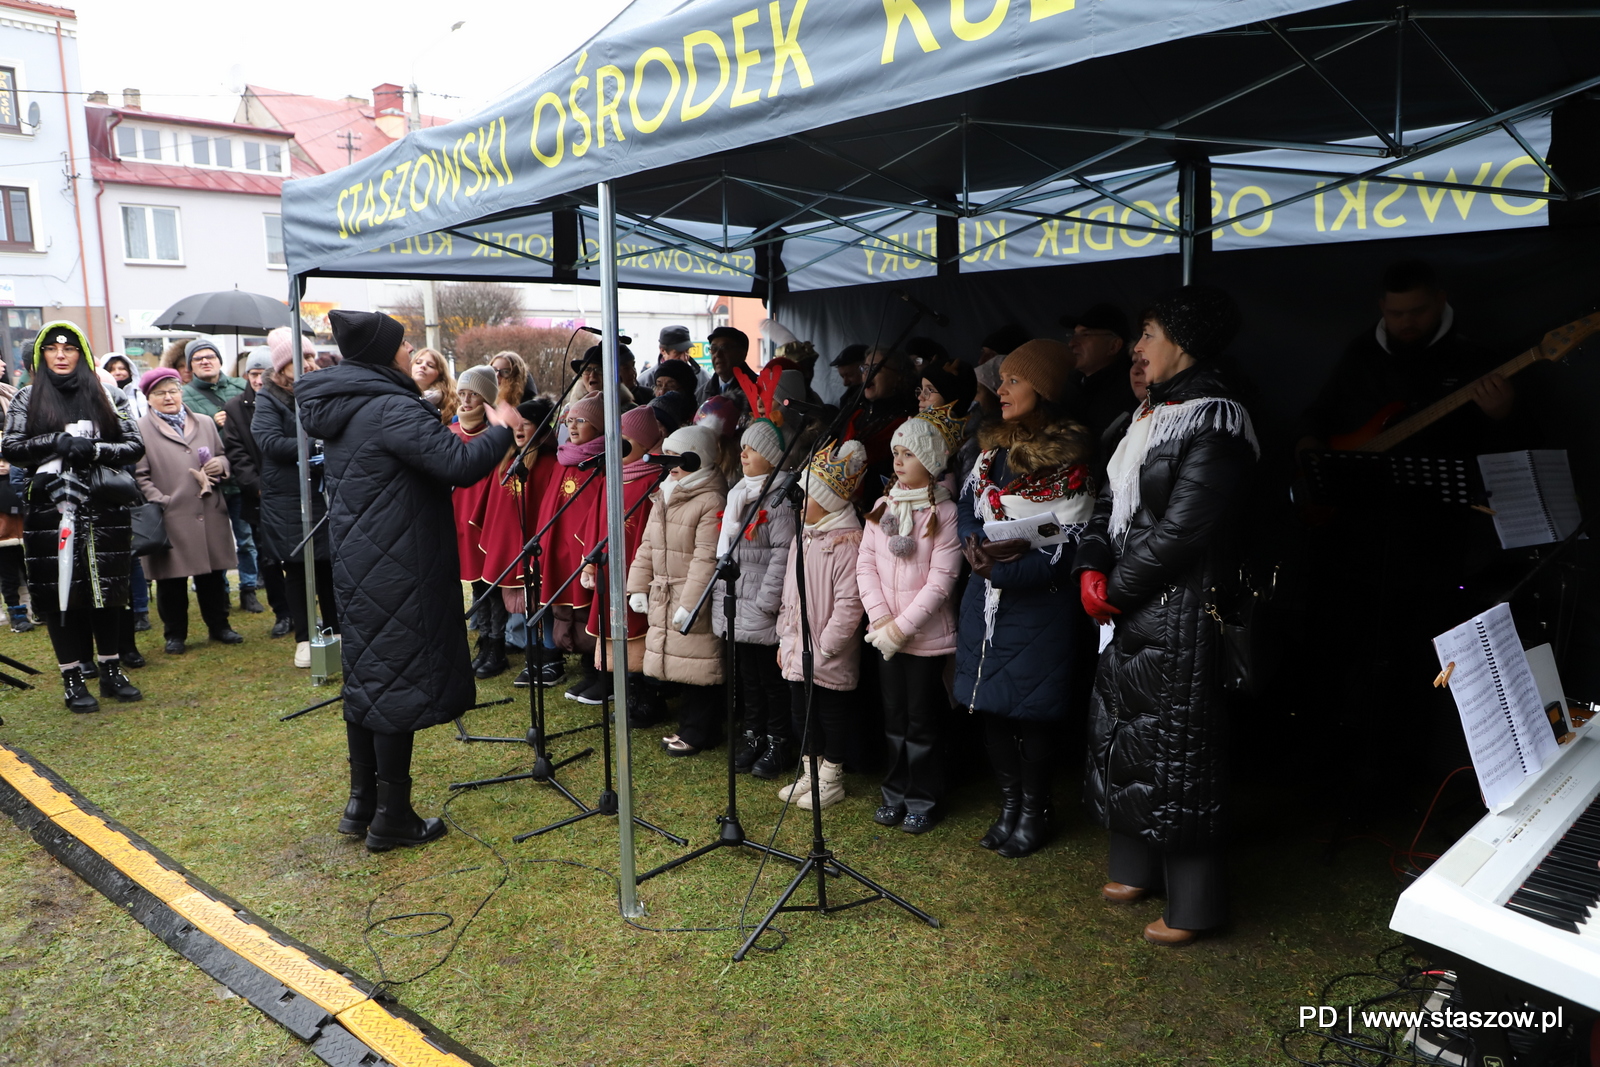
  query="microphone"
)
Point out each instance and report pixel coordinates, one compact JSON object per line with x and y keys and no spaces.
{"x":593,"y":462}
{"x":810,"y":411}
{"x":937,"y":316}
{"x":689,"y":462}
{"x":621,"y":338}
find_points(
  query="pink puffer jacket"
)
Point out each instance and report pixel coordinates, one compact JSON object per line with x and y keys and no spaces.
{"x":833,"y":606}
{"x":915,"y":589}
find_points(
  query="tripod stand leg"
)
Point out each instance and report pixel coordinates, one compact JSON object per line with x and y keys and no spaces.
{"x":781,"y":904}
{"x":881,"y":893}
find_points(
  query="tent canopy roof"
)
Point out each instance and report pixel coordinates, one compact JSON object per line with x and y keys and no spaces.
{"x":1095,"y":87}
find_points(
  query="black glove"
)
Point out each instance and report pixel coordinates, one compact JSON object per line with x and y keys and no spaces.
{"x":75,"y":450}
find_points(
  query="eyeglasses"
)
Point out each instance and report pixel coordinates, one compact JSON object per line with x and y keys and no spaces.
{"x":502,"y":374}
{"x":206,"y":359}
{"x":576,"y":421}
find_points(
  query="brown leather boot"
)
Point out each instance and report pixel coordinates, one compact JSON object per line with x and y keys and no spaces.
{"x":1160,"y":933}
{"x":1123,"y":894}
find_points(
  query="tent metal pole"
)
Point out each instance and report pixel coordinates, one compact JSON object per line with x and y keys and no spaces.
{"x":303,"y":446}
{"x":617,"y":571}
{"x":1186,"y":212}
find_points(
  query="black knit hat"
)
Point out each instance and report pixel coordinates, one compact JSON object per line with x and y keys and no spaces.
{"x":679,"y":371}
{"x":366,"y":336}
{"x":1199,"y":319}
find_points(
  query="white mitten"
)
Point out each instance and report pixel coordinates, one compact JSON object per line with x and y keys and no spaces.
{"x":679,"y":618}
{"x":639,"y":603}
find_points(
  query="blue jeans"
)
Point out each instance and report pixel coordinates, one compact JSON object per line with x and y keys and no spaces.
{"x":244,"y":539}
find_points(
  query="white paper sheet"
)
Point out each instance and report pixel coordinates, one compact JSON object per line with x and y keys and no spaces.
{"x":1495,"y":692}
{"x":1532,"y":496}
{"x":1038,"y":530}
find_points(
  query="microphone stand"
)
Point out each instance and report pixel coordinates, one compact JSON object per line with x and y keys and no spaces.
{"x":732,"y":834}
{"x":543,"y":769}
{"x":607,"y":803}
{"x":820,"y":859}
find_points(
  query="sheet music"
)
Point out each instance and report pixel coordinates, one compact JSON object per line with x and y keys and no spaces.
{"x":1532,"y":495}
{"x":1494,"y":690}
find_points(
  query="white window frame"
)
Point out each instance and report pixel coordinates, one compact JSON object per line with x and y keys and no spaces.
{"x":265,"y":237}
{"x":150,"y":231}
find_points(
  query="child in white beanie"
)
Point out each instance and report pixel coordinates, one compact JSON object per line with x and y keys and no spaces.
{"x":909,"y":562}
{"x":830,"y":540}
{"x":675,"y":561}
{"x":761,"y":550}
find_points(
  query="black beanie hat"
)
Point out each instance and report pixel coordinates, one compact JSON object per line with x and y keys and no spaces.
{"x":680,"y":372}
{"x":366,"y":336}
{"x":1199,"y":319}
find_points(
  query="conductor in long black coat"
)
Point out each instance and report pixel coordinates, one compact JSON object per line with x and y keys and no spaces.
{"x":390,"y":466}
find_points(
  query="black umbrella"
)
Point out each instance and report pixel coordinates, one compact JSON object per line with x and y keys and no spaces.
{"x":230,"y":311}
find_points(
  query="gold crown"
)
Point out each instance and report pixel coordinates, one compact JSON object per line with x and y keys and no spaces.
{"x":839,"y":469}
{"x":945,"y":421}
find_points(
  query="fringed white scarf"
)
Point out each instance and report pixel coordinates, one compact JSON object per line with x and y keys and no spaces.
{"x":1154,"y":426}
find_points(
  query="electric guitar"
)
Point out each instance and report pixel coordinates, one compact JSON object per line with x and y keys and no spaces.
{"x":1378,"y":436}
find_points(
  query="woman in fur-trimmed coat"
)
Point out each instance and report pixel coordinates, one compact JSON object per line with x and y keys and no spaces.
{"x":1152,"y":560}
{"x":1019,"y":620}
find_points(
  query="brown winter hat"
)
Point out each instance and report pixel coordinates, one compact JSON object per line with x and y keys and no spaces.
{"x":1044,"y":364}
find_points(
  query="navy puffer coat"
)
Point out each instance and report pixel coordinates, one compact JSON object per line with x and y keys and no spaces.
{"x":390,"y":466}
{"x":1025,"y":670}
{"x":1157,"y":721}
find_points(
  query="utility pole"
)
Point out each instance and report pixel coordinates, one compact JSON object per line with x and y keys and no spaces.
{"x":349,"y":140}
{"x":430,"y":294}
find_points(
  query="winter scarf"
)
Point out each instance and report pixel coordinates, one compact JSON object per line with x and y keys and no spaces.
{"x":898,"y":518}
{"x":1152,"y":427}
{"x":831,"y":521}
{"x":176,"y":420}
{"x":739,"y":497}
{"x":669,"y":486}
{"x":570,"y":455}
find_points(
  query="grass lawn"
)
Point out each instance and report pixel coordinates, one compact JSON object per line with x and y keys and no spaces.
{"x":1029,"y":965}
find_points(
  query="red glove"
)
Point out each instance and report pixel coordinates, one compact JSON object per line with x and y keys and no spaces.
{"x":1092,"y":588}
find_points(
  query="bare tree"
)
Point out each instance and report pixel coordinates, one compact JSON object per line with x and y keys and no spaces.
{"x":545,"y":351}
{"x":462,"y":306}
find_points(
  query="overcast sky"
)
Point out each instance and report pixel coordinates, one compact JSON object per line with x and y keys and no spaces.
{"x":190,"y":57}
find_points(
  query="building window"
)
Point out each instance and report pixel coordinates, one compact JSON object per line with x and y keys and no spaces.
{"x":16,"y":220}
{"x":200,"y":145}
{"x":127,"y":142}
{"x":274,"y":240}
{"x":252,"y":155}
{"x":150,"y":142}
{"x":10,"y":117}
{"x":150,"y":235}
{"x":134,"y":142}
{"x":223,"y":148}
{"x":274,"y":158}
{"x":18,"y":328}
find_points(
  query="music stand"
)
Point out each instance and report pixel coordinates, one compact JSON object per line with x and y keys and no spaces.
{"x":1357,"y":477}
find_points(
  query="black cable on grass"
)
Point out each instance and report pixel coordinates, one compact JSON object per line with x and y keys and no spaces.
{"x":447,"y":920}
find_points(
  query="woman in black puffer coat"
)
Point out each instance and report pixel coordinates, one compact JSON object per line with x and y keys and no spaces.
{"x":390,"y":465}
{"x":1152,"y":560}
{"x":280,"y":529}
{"x":1018,"y":619}
{"x":65,"y":390}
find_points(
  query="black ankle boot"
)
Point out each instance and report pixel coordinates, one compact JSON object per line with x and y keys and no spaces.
{"x":775,"y":760}
{"x":747,"y":751}
{"x":1007,"y":760}
{"x":114,"y":685}
{"x":394,"y":824}
{"x":1033,"y":827}
{"x":78,"y":697}
{"x":1033,"y":821}
{"x":493,"y":662}
{"x":363,"y":800}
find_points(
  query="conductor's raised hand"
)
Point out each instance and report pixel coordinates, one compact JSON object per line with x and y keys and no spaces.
{"x":501,"y":413}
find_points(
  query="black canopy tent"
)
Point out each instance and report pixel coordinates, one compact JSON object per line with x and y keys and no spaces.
{"x":1057,"y":105}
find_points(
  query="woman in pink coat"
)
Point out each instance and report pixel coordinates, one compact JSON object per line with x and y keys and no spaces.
{"x":829,"y":542}
{"x":909,"y":561}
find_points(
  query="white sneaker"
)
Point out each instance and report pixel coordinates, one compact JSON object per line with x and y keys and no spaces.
{"x":302,"y":654}
{"x":801,"y":786}
{"x":830,"y":787}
